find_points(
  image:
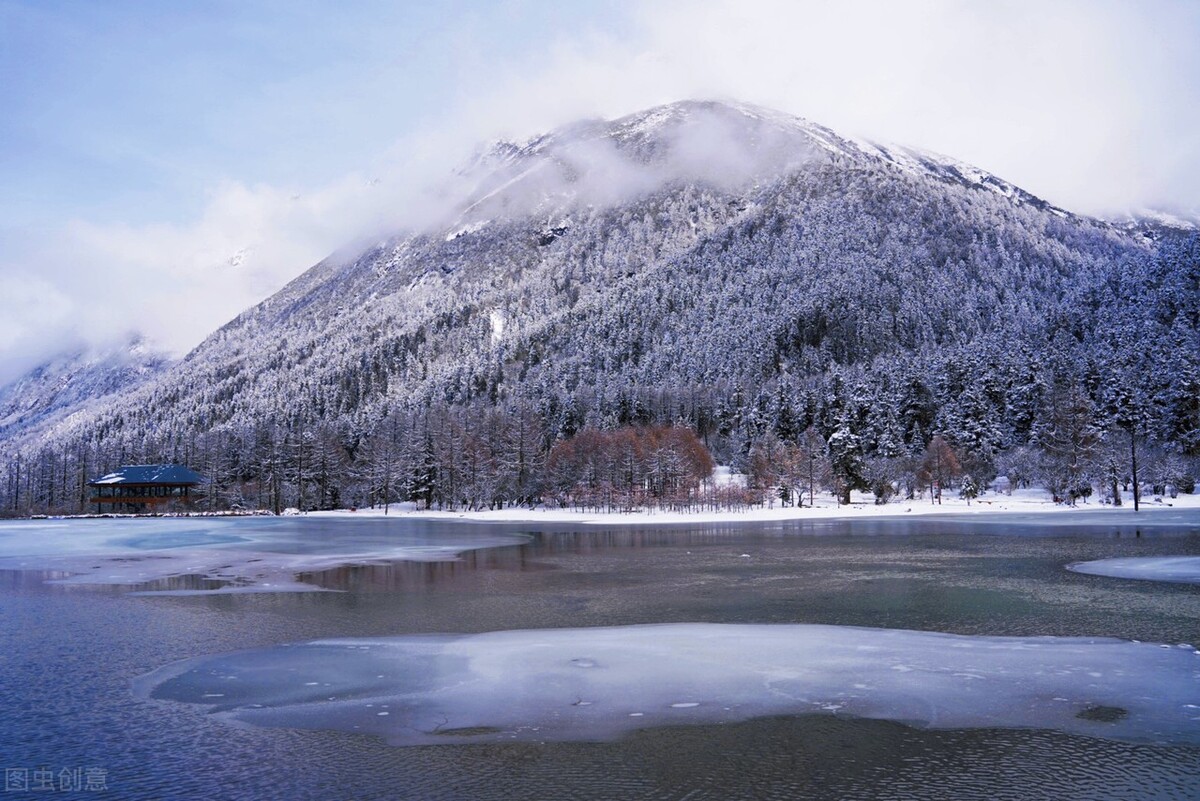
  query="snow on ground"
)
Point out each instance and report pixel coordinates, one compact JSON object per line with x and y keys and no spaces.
{"x":600,"y":683}
{"x":468,"y":228}
{"x":1026,"y":501}
{"x":1179,"y":569}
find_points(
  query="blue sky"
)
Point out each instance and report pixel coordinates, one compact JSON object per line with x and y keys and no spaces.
{"x":210,"y":151}
{"x":119,"y":111}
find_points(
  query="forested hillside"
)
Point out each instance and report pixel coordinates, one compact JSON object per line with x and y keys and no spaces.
{"x":802,"y":303}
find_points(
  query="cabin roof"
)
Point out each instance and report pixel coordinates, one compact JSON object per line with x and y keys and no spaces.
{"x":149,"y":474}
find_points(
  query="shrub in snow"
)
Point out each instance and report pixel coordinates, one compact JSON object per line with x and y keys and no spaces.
{"x":970,"y":490}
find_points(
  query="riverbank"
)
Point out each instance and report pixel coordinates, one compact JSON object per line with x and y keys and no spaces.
{"x":862,"y":506}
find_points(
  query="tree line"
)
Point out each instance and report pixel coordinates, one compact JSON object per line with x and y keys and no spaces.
{"x":525,"y":454}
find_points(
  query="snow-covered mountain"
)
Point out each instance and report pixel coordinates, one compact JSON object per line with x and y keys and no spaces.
{"x":719,"y":264}
{"x":1157,"y":222}
{"x":74,"y":381}
{"x":721,"y":144}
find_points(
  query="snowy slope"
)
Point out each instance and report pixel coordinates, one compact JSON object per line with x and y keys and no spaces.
{"x":74,"y":381}
{"x":696,"y":243}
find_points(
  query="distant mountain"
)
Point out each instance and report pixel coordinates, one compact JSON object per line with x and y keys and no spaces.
{"x":1159,"y":222}
{"x":75,"y":381}
{"x":726,"y":266}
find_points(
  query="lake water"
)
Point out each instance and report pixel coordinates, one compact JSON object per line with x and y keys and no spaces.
{"x":73,"y":694}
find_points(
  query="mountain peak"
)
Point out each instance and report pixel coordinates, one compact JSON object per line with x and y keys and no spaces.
{"x":595,"y":162}
{"x":724,"y":144}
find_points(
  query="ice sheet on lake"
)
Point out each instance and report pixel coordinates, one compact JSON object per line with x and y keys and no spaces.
{"x":243,"y":555}
{"x":1180,"y":569}
{"x":588,"y":684}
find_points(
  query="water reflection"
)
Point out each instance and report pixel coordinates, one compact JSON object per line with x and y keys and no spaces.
{"x":419,"y":576}
{"x":535,"y":555}
{"x":27,"y":581}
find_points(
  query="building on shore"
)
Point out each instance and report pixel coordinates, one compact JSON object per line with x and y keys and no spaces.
{"x":141,"y":488}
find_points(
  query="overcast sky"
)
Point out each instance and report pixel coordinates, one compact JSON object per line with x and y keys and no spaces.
{"x":165,"y":165}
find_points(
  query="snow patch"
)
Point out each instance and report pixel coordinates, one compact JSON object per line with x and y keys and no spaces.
{"x":468,"y":228}
{"x":496,"y":318}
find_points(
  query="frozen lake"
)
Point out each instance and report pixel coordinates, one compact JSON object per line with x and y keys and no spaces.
{"x":315,"y":658}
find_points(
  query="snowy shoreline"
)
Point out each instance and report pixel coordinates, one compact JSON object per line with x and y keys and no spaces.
{"x":862,"y":507}
{"x":263,"y":559}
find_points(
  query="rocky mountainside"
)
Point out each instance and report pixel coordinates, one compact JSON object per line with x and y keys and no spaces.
{"x":721,"y":265}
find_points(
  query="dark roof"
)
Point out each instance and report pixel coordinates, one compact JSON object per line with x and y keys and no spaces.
{"x":150,"y":474}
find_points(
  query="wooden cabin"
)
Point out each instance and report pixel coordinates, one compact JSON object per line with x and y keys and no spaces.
{"x":141,"y":488}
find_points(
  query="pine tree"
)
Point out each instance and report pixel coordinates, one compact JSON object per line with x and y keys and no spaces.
{"x":847,"y":463}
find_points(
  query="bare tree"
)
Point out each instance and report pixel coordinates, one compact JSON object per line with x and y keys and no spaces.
{"x":939,"y":467}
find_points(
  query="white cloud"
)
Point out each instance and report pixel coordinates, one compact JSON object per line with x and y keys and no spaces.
{"x":176,"y":283}
{"x":36,"y":318}
{"x":1091,"y":105}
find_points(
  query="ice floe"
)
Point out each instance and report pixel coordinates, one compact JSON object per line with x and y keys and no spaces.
{"x":599,"y":683}
{"x":240,"y":555}
{"x":1179,"y":569}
